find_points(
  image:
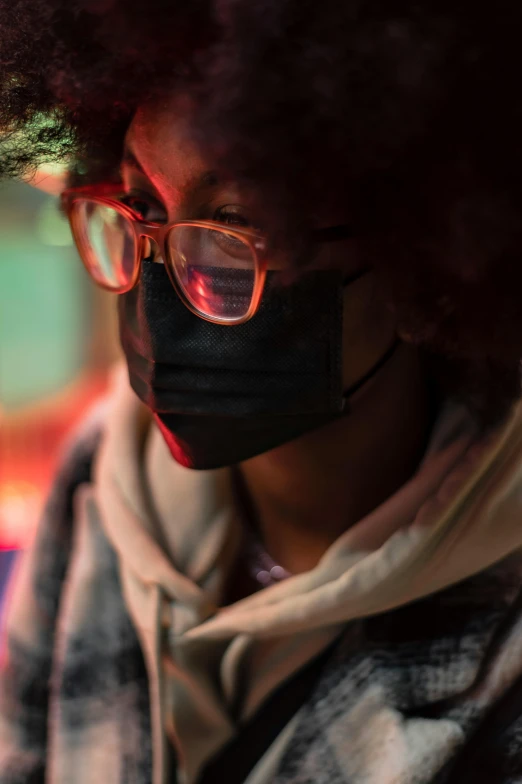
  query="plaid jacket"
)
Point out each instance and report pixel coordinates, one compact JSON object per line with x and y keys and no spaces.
{"x":396,"y":702}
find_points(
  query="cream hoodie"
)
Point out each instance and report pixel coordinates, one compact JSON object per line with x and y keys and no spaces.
{"x":176,"y":534}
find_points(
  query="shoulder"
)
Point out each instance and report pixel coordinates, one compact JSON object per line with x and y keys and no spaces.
{"x":56,"y":528}
{"x":424,"y":678}
{"x":78,"y":453}
{"x":70,"y":646}
{"x":41,"y":569}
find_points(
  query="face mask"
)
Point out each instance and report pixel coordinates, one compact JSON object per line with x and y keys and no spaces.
{"x":223,"y":394}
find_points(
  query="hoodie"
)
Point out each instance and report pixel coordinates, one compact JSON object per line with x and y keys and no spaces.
{"x":177,"y":534}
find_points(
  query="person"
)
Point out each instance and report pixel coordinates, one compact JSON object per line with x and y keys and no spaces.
{"x":285,"y":549}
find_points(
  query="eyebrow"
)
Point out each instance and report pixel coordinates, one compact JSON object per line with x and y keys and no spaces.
{"x":209,"y":179}
{"x":129,"y":159}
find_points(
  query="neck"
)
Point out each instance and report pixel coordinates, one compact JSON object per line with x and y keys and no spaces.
{"x":305,"y":494}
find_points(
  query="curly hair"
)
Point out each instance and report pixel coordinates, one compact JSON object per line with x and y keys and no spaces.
{"x":407,"y":113}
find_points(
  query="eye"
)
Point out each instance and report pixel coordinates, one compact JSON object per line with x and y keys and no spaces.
{"x":146,"y":207}
{"x":233,"y":215}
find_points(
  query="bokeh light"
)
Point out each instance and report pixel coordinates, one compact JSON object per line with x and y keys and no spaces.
{"x":57,"y":341}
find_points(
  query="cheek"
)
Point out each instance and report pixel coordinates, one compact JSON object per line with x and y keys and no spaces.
{"x":368,"y":329}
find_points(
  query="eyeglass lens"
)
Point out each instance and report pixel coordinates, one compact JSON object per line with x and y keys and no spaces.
{"x":107,"y":244}
{"x":216,"y":270}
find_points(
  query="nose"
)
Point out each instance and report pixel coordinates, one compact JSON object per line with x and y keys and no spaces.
{"x":150,"y":251}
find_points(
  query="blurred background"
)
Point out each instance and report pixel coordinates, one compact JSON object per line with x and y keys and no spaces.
{"x":57,"y":342}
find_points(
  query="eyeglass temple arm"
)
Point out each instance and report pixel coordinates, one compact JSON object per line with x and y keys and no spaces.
{"x":341,"y":232}
{"x":333,"y":233}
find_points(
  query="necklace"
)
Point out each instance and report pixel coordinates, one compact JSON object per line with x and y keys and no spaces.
{"x":260,"y":565}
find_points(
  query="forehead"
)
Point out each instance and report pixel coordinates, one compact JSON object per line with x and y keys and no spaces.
{"x":160,"y":139}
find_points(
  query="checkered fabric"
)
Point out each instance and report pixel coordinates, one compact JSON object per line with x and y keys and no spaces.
{"x":398,"y":698}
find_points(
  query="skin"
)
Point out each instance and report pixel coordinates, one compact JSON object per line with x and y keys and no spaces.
{"x":304,"y":494}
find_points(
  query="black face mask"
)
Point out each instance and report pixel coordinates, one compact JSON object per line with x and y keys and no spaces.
{"x":223,"y":394}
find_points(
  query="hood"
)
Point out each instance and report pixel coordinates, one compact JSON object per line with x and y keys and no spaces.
{"x":176,"y":533}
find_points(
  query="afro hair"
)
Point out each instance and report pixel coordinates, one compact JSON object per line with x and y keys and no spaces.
{"x":406,"y":113}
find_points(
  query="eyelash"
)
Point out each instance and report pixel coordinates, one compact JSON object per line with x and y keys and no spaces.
{"x":228,"y":214}
{"x":142,"y":204}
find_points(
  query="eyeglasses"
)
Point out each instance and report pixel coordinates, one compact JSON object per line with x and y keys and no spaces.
{"x":219,"y":272}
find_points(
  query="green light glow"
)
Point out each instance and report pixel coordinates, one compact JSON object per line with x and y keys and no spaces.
{"x":44,"y":299}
